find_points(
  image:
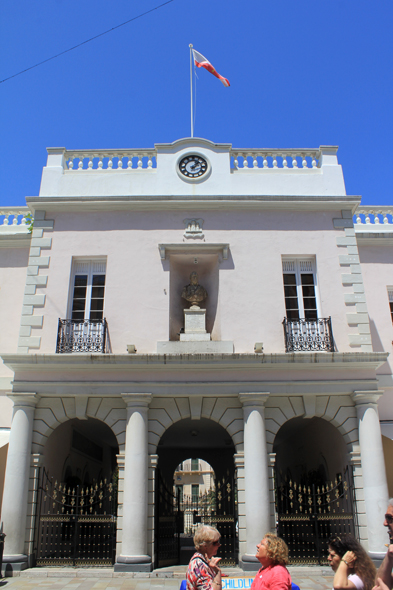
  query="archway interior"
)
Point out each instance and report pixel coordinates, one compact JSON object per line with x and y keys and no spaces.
{"x":309,"y":451}
{"x":195,"y":439}
{"x":81,"y":452}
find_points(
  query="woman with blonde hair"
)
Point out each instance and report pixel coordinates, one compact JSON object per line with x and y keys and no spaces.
{"x":351,"y":564}
{"x":272,"y":553}
{"x":203,"y":572}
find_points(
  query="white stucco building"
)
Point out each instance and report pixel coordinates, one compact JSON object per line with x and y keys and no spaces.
{"x":107,"y":385}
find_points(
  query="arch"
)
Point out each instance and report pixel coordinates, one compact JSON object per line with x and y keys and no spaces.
{"x":78,"y":447}
{"x":339,"y":410}
{"x":53,"y":411}
{"x":309,"y":451}
{"x":164,"y":412}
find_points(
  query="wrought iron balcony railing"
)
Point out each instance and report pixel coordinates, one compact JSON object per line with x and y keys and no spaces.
{"x":82,"y":336}
{"x":308,"y":335}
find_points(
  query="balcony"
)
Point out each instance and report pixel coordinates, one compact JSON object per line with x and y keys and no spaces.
{"x":308,"y":335}
{"x":82,"y":336}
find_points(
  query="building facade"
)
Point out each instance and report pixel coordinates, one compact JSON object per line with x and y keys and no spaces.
{"x":280,"y":378}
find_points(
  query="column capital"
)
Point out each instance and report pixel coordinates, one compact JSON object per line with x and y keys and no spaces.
{"x":366,"y":397}
{"x":153,"y":461}
{"x":120,"y":461}
{"x":254,"y":398}
{"x":24,"y":399}
{"x":137,"y":399}
{"x":37,"y":460}
{"x":272,"y":459}
{"x":238,"y":459}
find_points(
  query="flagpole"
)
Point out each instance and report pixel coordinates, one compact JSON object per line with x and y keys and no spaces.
{"x":192,"y":122}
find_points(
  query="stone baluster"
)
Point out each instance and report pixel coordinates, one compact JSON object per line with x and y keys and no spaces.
{"x":274,"y":156}
{"x":16,"y":484}
{"x":90,"y":162}
{"x":367,"y":217}
{"x":265,"y":162}
{"x":129,"y":163}
{"x":257,"y":507}
{"x":313,"y":161}
{"x":100,"y":162}
{"x":373,"y":468}
{"x":284,"y":161}
{"x":15,"y":219}
{"x":140,"y":162}
{"x":70,"y":163}
{"x":245,"y":161}
{"x":304,"y":161}
{"x":377,"y":221}
{"x":358,"y":219}
{"x":236,"y":161}
{"x":80,"y":163}
{"x":110,"y":163}
{"x":120,"y":162}
{"x":150,"y":162}
{"x":134,"y":541}
{"x":5,"y":220}
{"x":294,"y":161}
{"x":254,"y":161}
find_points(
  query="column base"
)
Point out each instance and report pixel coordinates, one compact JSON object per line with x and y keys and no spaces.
{"x":13,"y":564}
{"x":249,"y":563}
{"x":133,"y":563}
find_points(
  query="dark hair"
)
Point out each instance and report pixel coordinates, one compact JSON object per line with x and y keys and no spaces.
{"x":363,"y":565}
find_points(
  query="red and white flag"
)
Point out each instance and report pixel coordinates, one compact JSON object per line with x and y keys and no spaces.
{"x":202,"y":62}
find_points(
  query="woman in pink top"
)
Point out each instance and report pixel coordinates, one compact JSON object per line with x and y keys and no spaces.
{"x":272,"y":553}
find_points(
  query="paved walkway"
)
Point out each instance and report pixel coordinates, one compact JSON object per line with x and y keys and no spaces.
{"x":308,"y":578}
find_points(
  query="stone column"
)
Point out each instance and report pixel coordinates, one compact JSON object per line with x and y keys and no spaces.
{"x":16,"y":485}
{"x":373,"y":466}
{"x":257,"y":505}
{"x":134,"y":555}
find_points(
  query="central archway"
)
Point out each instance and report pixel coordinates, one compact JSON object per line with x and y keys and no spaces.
{"x":203,"y":440}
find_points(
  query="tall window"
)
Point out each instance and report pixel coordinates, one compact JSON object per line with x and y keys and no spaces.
{"x":300,"y":289}
{"x":88,"y":289}
{"x":194,"y":464}
{"x":390,"y":294}
{"x":195,"y":492}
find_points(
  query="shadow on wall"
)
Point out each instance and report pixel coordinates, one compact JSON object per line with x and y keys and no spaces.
{"x":3,"y":462}
{"x":375,"y":339}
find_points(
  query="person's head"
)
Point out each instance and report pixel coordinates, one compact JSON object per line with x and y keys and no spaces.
{"x":194,"y":278}
{"x":363,"y":566}
{"x":388,"y":522}
{"x":272,"y":551}
{"x":207,"y":540}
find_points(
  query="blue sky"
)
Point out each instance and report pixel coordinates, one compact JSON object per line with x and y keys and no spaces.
{"x":302,"y":74}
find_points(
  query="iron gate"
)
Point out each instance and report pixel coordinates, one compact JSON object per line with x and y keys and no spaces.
{"x":309,"y":514}
{"x":76,"y":525}
{"x":176,"y":519}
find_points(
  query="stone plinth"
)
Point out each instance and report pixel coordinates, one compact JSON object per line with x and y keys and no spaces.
{"x":195,"y":325}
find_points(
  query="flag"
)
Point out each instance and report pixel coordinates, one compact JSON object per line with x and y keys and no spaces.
{"x":202,"y":62}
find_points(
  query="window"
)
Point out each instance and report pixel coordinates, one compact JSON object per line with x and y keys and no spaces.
{"x":194,"y":464}
{"x":390,"y":295}
{"x":300,"y":289}
{"x":195,"y":492}
{"x":88,"y":289}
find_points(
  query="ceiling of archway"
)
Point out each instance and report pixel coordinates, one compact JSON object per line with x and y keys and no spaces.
{"x":196,"y":434}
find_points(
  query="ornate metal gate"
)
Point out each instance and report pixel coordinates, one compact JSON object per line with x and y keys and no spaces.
{"x":177,"y":518}
{"x":309,"y":514}
{"x":76,"y":525}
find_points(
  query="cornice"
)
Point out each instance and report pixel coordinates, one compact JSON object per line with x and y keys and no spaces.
{"x":174,"y":202}
{"x":173,"y":362}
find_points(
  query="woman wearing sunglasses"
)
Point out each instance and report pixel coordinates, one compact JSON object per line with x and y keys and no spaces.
{"x":203,"y":572}
{"x":352,"y":566}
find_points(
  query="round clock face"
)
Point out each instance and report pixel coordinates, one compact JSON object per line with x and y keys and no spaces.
{"x":193,"y":166}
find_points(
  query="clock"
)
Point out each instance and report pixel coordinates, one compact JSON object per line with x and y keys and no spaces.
{"x":193,"y":166}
